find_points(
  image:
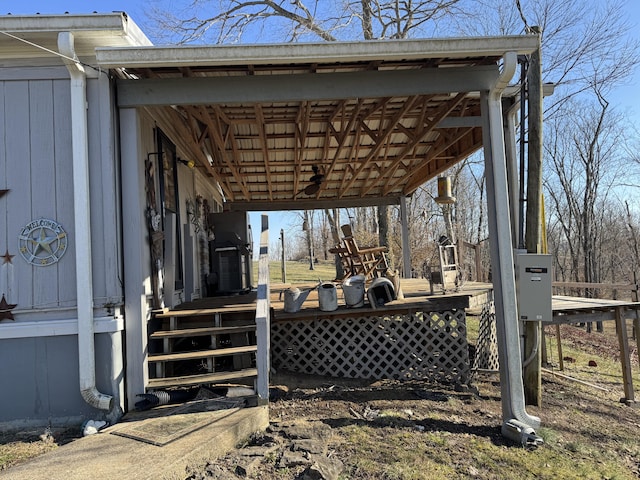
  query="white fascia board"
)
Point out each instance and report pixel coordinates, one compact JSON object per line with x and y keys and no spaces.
{"x":54,"y":328}
{"x":301,"y":53}
{"x":101,"y":29}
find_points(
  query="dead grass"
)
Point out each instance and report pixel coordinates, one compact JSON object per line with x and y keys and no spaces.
{"x":20,"y":446}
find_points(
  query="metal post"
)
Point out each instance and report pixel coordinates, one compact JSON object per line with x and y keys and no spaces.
{"x":406,"y":249}
{"x":282,"y":261}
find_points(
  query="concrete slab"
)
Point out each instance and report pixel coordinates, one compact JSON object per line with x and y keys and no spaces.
{"x":107,"y":456}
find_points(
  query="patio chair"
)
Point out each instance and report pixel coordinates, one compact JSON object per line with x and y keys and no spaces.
{"x":345,"y":260}
{"x":368,"y":261}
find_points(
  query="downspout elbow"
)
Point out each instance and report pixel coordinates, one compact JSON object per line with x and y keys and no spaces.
{"x":509,"y":65}
{"x":96,"y":399}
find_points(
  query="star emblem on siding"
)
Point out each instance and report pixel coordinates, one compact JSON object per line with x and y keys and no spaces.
{"x":7,"y":258}
{"x":5,"y":309}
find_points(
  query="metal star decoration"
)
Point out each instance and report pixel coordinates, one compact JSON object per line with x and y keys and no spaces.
{"x":6,"y":257}
{"x":5,"y":309}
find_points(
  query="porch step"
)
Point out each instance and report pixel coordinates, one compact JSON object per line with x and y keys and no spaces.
{"x":202,"y":378}
{"x":199,"y":312}
{"x":196,"y":354}
{"x":197,"y":332}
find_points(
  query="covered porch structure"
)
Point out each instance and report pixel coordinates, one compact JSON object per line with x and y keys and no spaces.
{"x":367,"y":122}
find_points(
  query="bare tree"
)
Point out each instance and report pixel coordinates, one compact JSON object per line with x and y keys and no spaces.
{"x":584,"y":44}
{"x":585,"y":161}
{"x":235,"y":21}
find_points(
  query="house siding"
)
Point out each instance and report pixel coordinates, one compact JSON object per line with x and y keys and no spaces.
{"x":39,"y":378}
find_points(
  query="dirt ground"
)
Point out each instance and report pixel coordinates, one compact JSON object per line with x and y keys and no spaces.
{"x":412,"y":430}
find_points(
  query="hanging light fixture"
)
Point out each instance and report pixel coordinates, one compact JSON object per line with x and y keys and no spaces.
{"x":444,"y":191}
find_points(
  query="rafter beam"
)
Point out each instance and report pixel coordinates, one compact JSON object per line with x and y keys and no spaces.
{"x":265,"y":149}
{"x":218,"y":144}
{"x":390,"y":126}
{"x":421,"y":131}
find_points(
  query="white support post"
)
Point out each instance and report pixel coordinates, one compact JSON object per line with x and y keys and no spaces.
{"x":135,"y":254}
{"x":406,"y":249}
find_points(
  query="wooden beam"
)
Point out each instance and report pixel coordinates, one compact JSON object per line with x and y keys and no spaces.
{"x":420,"y":132}
{"x":218,"y":143}
{"x":625,"y":358}
{"x":379,"y":139}
{"x":417,"y":177}
{"x":265,"y":150}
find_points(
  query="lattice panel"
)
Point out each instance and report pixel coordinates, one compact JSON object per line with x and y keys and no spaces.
{"x":487,"y":346}
{"x":424,"y":345}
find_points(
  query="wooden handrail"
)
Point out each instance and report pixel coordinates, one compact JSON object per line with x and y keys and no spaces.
{"x":610,"y":286}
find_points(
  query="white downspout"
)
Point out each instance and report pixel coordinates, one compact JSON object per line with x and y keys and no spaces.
{"x":517,"y":424}
{"x":84,"y":275}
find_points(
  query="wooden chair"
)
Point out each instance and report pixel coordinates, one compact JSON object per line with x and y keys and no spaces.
{"x":368,"y":261}
{"x":345,"y":260}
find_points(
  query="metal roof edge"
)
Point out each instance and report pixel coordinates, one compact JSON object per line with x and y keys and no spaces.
{"x":329,"y":52}
{"x":118,"y":24}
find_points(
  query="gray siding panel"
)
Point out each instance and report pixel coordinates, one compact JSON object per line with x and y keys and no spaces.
{"x":36,"y":165}
{"x":43,"y":174}
{"x":64,"y":186}
{"x":105,"y":197}
{"x":42,"y":382}
{"x":39,"y":379}
{"x":18,"y":168}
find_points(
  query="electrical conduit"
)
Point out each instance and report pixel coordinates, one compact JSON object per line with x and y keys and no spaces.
{"x":84,"y":276}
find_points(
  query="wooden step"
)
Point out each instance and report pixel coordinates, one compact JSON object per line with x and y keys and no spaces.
{"x":199,"y":332}
{"x":194,"y":355}
{"x":207,"y":311}
{"x":201,"y":378}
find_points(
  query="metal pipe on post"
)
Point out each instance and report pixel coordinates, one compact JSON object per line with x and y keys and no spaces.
{"x":283,"y":262}
{"x":533,"y":330}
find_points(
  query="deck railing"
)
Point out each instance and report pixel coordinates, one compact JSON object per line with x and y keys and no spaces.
{"x":263,"y":321}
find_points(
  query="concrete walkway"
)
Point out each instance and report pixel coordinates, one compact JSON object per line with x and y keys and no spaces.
{"x":106,"y":456}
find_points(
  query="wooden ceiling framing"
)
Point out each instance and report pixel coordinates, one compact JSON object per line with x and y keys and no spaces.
{"x":367,"y":148}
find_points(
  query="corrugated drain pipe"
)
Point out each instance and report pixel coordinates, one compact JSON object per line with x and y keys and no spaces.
{"x":84,"y":276}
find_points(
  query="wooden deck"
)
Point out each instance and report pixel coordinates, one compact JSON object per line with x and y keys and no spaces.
{"x":579,"y":310}
{"x":416,"y":293}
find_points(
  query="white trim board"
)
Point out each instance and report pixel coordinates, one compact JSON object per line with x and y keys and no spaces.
{"x":55,"y":328}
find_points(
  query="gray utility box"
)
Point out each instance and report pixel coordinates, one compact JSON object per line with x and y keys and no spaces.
{"x":533,"y":283}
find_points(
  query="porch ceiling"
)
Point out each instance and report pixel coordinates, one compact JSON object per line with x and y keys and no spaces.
{"x":375,"y":119}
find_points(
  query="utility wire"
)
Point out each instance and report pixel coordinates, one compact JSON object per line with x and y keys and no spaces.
{"x":53,"y":52}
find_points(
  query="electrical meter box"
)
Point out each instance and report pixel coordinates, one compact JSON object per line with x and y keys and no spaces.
{"x":533,"y":283}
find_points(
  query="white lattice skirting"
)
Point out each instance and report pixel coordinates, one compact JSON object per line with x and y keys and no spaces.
{"x":429,"y":346}
{"x":487,"y":345}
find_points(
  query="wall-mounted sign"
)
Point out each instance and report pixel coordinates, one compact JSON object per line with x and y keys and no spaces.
{"x":42,"y":242}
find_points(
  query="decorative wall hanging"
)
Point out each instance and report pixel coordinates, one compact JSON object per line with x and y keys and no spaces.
{"x":3,"y":193}
{"x":5,"y":309}
{"x":7,"y":258}
{"x":42,"y":242}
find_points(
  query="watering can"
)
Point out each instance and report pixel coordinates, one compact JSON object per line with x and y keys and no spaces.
{"x":294,"y":298}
